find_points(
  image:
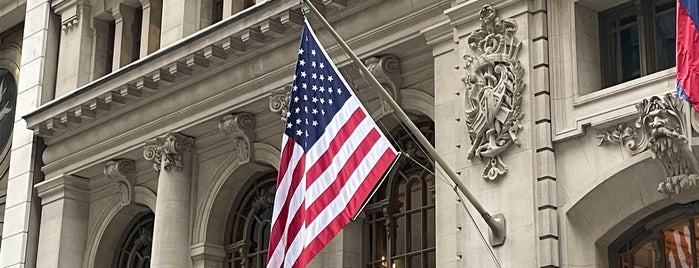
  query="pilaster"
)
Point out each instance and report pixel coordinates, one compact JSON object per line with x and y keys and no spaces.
{"x":124,"y":19}
{"x":64,"y":217}
{"x":179,"y":20}
{"x":150,"y":26}
{"x":172,"y":159}
{"x":76,"y":45}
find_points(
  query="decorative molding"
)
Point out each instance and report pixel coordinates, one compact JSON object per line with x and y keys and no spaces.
{"x":122,"y":172}
{"x":279,"y":102}
{"x":387,"y":71}
{"x":494,"y":91}
{"x":64,"y":186}
{"x":167,"y":151}
{"x":660,"y":128}
{"x":240,"y":128}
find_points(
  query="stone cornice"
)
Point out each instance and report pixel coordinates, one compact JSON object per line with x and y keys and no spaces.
{"x":166,"y":67}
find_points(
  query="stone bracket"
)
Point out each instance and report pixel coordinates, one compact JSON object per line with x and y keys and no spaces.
{"x":122,"y":172}
{"x":240,"y":127}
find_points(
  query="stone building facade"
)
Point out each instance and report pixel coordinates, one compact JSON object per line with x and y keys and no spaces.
{"x":140,"y":133}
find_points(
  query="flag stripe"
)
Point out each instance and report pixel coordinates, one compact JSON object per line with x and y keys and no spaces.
{"x":316,"y":189}
{"x":341,"y":219}
{"x":342,"y":177}
{"x":342,"y":135}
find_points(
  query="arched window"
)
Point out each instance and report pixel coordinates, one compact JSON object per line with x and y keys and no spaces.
{"x":400,"y":218}
{"x":137,"y":243}
{"x":667,"y":238}
{"x":247,"y":236}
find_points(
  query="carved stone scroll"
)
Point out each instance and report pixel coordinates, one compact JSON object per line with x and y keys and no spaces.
{"x":386,"y":69}
{"x":494,"y":91}
{"x":122,"y":172}
{"x":166,"y":151}
{"x":279,"y":102}
{"x":240,"y":128}
{"x":660,"y":128}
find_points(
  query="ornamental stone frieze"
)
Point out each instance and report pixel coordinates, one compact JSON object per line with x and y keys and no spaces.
{"x":386,"y":69}
{"x":240,"y":128}
{"x":122,"y":172}
{"x":494,"y":91}
{"x":166,"y":152}
{"x":661,"y":129}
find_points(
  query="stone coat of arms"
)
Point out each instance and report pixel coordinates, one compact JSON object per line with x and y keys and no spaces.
{"x":494,"y":91}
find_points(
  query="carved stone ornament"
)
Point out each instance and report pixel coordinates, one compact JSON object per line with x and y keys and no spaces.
{"x":122,"y":172}
{"x":494,"y":91}
{"x":166,"y":151}
{"x":386,"y":69}
{"x":279,"y":102}
{"x":240,"y":128}
{"x":660,"y":128}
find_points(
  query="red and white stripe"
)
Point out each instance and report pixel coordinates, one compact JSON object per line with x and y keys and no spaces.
{"x":679,"y":255}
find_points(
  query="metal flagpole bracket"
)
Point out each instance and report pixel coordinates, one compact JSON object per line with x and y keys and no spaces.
{"x":497,"y":233}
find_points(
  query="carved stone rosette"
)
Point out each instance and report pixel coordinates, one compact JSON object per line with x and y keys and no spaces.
{"x":386,"y":69}
{"x":240,"y":128}
{"x":660,"y":128}
{"x":279,"y":102}
{"x":494,"y":91}
{"x":166,"y":151}
{"x":122,"y":172}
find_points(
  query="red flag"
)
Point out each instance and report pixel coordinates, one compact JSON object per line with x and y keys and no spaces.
{"x":333,"y":155}
{"x":687,"y":48}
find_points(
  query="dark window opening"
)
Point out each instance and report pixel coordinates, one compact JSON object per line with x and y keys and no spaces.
{"x":636,"y":38}
{"x":137,"y":243}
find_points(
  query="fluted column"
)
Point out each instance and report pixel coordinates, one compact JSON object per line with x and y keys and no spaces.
{"x":171,"y":157}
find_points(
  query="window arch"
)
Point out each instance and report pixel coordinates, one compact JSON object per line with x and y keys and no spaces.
{"x":247,"y":236}
{"x":400,"y":218}
{"x":667,"y":238}
{"x":136,"y":245}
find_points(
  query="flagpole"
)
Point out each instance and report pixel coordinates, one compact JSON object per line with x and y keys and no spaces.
{"x":496,"y":223}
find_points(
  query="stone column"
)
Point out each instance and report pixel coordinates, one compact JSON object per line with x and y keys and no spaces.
{"x":179,"y":20}
{"x":150,"y":26}
{"x":171,"y":157}
{"x":75,"y":47}
{"x":124,"y":18}
{"x":64,"y":216}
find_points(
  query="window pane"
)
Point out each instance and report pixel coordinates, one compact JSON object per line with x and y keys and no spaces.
{"x":677,"y":246}
{"x":415,"y":194}
{"x":415,"y":261}
{"x":665,"y":36}
{"x":416,"y":231}
{"x":630,"y":54}
{"x":644,"y":256}
{"x":401,"y":234}
{"x":430,"y":227}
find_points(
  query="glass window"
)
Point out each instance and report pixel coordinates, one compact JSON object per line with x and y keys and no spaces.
{"x":667,"y":238}
{"x":249,"y":224}
{"x":636,"y":38}
{"x":400,"y":218}
{"x":137,"y":243}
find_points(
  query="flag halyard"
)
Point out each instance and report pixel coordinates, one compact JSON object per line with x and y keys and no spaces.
{"x":332,"y":157}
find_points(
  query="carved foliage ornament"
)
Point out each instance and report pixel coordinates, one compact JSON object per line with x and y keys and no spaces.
{"x":494,"y":91}
{"x":660,"y":128}
{"x":122,"y":172}
{"x":240,"y":128}
{"x":167,"y":151}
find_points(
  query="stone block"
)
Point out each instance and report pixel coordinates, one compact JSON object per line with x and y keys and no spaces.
{"x":21,"y":159}
{"x":31,"y":70}
{"x":13,"y":249}
{"x":538,"y":25}
{"x":19,"y":215}
{"x":548,"y":253}
{"x":539,"y":53}
{"x":33,"y":45}
{"x":542,"y":136}
{"x":19,"y":189}
{"x":547,"y":223}
{"x":37,"y":18}
{"x":546,"y":194}
{"x":545,"y":165}
{"x":542,"y":109}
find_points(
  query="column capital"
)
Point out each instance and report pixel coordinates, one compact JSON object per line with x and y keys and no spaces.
{"x":122,"y":172}
{"x":167,"y":151}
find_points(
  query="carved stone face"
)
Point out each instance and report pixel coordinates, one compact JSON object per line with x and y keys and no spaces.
{"x":663,"y":125}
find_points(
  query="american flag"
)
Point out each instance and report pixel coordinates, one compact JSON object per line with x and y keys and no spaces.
{"x":333,"y":155}
{"x":678,"y":248}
